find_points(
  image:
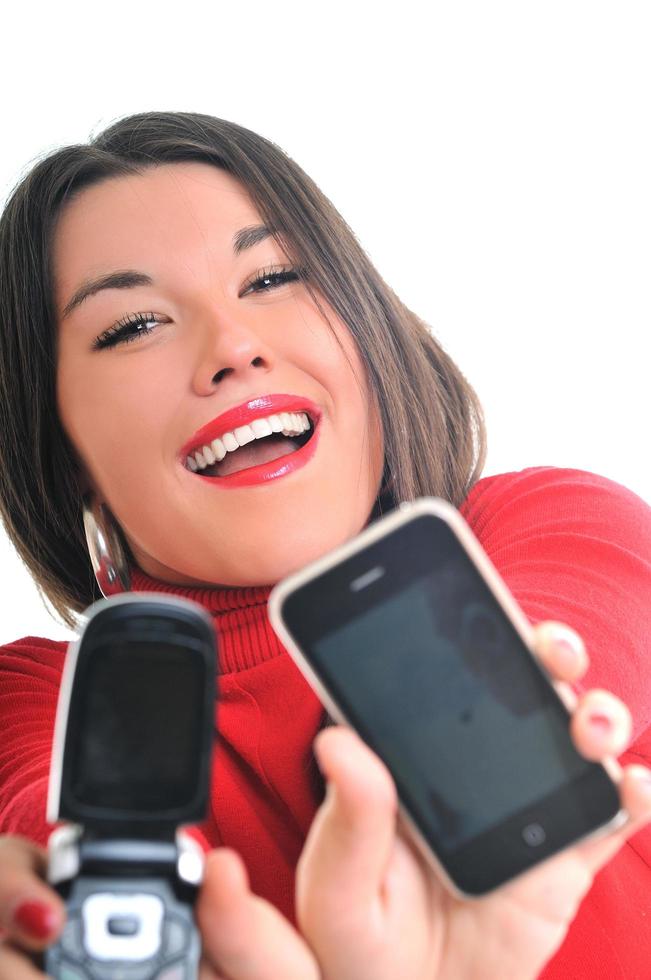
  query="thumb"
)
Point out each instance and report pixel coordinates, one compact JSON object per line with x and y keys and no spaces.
{"x":243,"y":936}
{"x":343,"y":864}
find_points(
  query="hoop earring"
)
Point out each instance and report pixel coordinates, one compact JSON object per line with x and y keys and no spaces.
{"x":105,"y":548}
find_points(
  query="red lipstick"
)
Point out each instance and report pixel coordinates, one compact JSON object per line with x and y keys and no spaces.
{"x":256,"y":408}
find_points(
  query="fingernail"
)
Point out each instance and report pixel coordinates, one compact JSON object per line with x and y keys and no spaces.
{"x":35,"y":918}
{"x":600,"y":723}
{"x":567,"y":646}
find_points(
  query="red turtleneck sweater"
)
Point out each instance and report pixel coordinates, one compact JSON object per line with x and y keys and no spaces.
{"x":571,"y":546}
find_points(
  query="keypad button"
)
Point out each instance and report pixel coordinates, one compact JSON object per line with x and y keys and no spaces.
{"x":103,"y":945}
{"x":71,"y":940}
{"x":176,"y":934}
{"x":123,"y":925}
{"x":175,"y":972}
{"x":114,"y":970}
{"x":69,"y":972}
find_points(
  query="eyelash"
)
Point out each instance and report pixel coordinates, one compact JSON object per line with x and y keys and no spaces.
{"x":120,"y":333}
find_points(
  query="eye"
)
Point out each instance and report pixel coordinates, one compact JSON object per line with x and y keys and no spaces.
{"x":131,"y":327}
{"x":271,"y":278}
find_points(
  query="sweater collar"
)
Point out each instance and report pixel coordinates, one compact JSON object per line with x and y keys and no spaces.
{"x":245,"y":636}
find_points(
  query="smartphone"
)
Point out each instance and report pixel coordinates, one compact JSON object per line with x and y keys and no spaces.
{"x":409,"y":635}
{"x":130,"y":766}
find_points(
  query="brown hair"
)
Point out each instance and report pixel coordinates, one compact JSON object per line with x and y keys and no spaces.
{"x":434,"y":432}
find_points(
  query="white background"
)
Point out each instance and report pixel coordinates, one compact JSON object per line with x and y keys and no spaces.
{"x":493,"y":158}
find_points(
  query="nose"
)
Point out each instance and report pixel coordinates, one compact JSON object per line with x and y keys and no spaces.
{"x":230,"y":350}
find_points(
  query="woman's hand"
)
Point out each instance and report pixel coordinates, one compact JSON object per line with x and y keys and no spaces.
{"x":368,"y":906}
{"x":31,"y":913}
{"x":371,"y":909}
{"x":244,"y":937}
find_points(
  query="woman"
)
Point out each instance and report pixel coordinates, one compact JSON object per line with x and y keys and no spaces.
{"x":180,"y":268}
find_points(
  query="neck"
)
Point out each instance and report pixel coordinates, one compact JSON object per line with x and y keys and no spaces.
{"x":244,"y":634}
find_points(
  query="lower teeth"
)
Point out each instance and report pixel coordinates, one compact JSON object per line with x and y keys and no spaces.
{"x":216,"y":469}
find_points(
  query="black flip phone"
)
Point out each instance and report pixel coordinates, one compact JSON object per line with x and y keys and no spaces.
{"x":409,"y":634}
{"x":130,"y":764}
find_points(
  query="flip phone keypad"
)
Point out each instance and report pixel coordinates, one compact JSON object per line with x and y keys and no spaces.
{"x":107,"y":933}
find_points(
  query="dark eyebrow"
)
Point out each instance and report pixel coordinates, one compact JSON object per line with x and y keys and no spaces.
{"x":248,"y":237}
{"x":126,"y":279}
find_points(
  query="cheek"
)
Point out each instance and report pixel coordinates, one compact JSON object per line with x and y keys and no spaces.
{"x":110,"y":418}
{"x":337,"y":364}
{"x":362,"y":403}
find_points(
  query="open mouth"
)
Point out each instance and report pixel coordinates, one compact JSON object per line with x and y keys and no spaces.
{"x":264,"y":441}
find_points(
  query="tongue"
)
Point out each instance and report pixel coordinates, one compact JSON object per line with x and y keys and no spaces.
{"x":255,"y":453}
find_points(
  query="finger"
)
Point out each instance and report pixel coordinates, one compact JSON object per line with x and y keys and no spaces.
{"x":244,"y":937}
{"x":561,"y":650}
{"x":601,"y":725}
{"x":14,"y":965}
{"x":351,"y":840}
{"x":31,"y":913}
{"x":635,"y":793}
{"x":206,"y":971}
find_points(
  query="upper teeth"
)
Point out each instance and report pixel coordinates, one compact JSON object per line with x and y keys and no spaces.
{"x":289,"y":423}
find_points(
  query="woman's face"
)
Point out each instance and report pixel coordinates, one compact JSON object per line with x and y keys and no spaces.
{"x":150,"y":360}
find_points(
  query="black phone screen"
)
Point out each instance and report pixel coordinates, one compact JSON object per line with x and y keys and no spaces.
{"x":429,"y":669}
{"x":454,"y":705}
{"x":139,"y":727}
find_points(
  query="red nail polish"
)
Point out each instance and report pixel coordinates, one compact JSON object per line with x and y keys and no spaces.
{"x":601,"y":723}
{"x":35,"y":918}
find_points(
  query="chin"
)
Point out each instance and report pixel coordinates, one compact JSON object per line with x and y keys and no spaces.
{"x":266,"y":563}
{"x":256,"y":552}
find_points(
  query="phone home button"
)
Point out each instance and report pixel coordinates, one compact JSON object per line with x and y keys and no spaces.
{"x":534,"y":834}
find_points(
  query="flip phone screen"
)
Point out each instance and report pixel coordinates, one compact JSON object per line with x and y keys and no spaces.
{"x":121,"y":715}
{"x":408,"y":640}
{"x":130,"y":765}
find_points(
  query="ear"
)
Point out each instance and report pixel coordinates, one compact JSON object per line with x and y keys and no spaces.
{"x":85,"y":485}
{"x":82,"y":477}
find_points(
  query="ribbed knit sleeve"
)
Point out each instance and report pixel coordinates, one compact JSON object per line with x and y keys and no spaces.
{"x":30,"y":672}
{"x":575,"y":547}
